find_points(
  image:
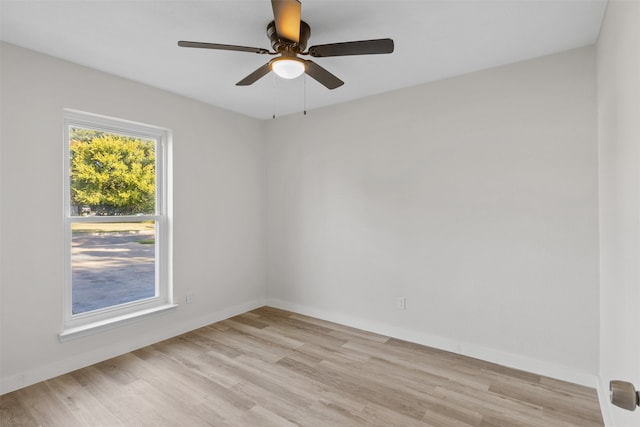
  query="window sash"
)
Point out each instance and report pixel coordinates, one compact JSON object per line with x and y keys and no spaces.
{"x":163,"y":296}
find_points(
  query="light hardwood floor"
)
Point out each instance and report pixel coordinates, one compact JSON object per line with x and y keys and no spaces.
{"x":272,"y":367}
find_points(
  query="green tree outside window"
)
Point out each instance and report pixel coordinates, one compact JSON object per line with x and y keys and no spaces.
{"x":113,"y":174}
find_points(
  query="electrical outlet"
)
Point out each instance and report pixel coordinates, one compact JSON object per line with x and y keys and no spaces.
{"x":401,"y":303}
{"x":189,"y":297}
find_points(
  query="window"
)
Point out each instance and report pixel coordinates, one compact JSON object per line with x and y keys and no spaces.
{"x":116,"y":223}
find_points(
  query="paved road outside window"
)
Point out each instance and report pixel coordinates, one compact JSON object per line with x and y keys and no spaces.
{"x":110,"y":269}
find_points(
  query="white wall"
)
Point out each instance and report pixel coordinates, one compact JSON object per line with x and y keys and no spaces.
{"x":474,"y":197}
{"x":218,"y":168}
{"x":619,"y":155}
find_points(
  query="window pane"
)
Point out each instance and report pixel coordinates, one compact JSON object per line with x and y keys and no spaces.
{"x":112,"y":264}
{"x":111,"y":174}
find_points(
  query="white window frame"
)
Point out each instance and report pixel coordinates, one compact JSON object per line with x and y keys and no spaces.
{"x":77,"y":325}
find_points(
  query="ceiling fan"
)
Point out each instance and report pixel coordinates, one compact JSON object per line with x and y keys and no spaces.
{"x":289,"y":36}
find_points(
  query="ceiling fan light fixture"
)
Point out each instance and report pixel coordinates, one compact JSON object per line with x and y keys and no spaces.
{"x":288,"y":67}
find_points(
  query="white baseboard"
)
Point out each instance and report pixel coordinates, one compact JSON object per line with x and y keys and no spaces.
{"x":45,"y":372}
{"x":605,"y":404}
{"x":516,"y":361}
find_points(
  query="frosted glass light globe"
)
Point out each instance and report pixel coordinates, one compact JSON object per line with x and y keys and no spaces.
{"x":288,"y":68}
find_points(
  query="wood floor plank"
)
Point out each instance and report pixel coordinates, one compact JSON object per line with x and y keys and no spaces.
{"x":259,"y":416}
{"x":271,"y":367}
{"x":47,"y":407}
{"x":123,"y":401}
{"x":338,"y":329}
{"x":87,"y":409}
{"x":265,"y":334}
{"x":13,"y":413}
{"x":544,"y":397}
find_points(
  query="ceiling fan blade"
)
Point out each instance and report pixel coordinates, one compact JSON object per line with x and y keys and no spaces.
{"x":323,"y":76}
{"x":255,"y":76}
{"x":363,"y":47}
{"x":287,"y":18}
{"x":217,"y":46}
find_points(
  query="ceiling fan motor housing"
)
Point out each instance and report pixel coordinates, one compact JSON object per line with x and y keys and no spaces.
{"x":280,"y":44}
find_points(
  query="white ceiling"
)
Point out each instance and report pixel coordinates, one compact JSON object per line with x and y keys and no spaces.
{"x":433,"y":40}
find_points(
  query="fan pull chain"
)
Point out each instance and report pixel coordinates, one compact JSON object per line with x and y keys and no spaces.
{"x":305,"y":93}
{"x":273,"y":87}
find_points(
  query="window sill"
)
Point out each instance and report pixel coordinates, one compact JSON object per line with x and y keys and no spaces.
{"x":114,"y":322}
